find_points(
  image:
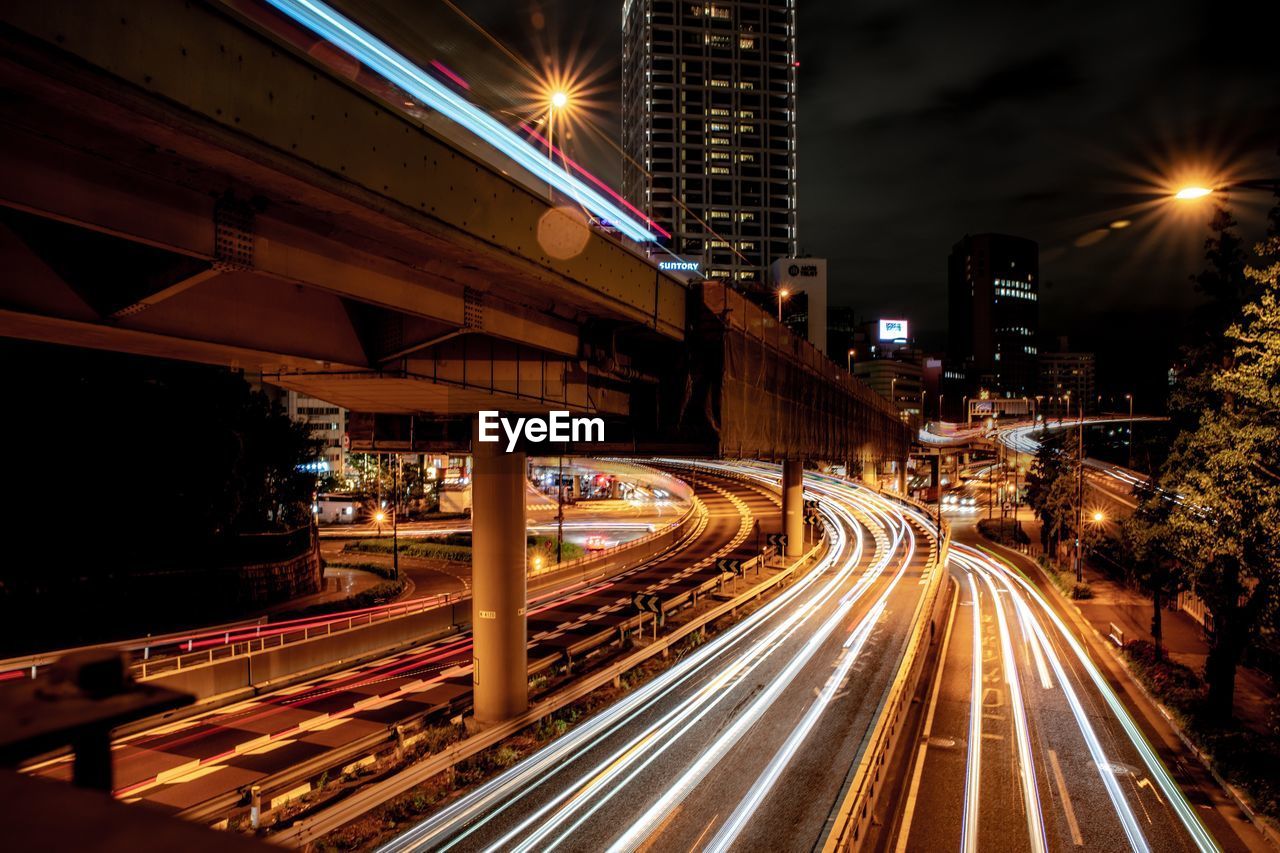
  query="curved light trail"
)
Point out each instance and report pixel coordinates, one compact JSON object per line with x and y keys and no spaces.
{"x":1044,"y":631}
{"x":551,"y":798}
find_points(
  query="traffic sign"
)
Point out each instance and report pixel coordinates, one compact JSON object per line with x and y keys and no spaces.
{"x":779,"y":539}
{"x":812,"y":519}
{"x":727,"y":564}
{"x":811,"y":504}
{"x":647,"y":603}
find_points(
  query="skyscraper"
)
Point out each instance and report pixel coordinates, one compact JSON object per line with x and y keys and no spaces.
{"x":994,"y":303}
{"x":709,"y":129}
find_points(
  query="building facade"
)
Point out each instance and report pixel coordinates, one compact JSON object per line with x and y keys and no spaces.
{"x":327,"y":423}
{"x":709,"y":130}
{"x":994,"y":303}
{"x":807,"y":278}
{"x":897,"y":380}
{"x":1069,"y":373}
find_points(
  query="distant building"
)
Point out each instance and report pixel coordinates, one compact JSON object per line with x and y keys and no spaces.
{"x":807,"y":278}
{"x":897,"y":381}
{"x":842,"y":326}
{"x":888,"y":361}
{"x":1073,"y":373}
{"x":337,"y":509}
{"x":328,"y":424}
{"x":994,"y":302}
{"x":709,"y":129}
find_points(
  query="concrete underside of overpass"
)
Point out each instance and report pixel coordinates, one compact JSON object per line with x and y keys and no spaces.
{"x":178,"y":182}
{"x":206,"y":182}
{"x":198,"y":182}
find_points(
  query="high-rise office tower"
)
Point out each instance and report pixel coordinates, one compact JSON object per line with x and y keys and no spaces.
{"x":993,"y":297}
{"x":709,"y":129}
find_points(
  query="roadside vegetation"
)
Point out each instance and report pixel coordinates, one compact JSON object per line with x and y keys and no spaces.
{"x":1245,"y":758}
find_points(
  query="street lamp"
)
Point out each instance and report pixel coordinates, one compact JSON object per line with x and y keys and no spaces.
{"x":1129,"y":397}
{"x":783,"y":293}
{"x":1193,"y":192}
{"x":1099,"y":516}
{"x":849,"y":360}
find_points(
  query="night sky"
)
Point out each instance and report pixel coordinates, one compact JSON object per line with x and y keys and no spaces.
{"x":922,"y":120}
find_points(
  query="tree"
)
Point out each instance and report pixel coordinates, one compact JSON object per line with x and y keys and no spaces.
{"x":1227,"y":288}
{"x":1044,"y":471}
{"x":1148,"y":562}
{"x":1225,"y":524}
{"x":1053,"y":495}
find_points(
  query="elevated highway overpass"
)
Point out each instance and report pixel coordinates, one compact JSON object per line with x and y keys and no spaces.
{"x":219,"y":183}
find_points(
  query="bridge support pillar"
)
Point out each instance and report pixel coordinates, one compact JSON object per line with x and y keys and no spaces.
{"x":793,"y":506}
{"x":902,"y":477}
{"x":500,"y":680}
{"x":869,"y":473}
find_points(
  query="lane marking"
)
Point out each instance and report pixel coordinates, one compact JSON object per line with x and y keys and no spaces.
{"x":1076,"y":838}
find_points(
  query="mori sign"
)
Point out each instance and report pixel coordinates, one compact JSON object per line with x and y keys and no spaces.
{"x":555,"y":427}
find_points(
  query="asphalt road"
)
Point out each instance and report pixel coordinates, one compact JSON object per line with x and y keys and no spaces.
{"x":1027,"y":747}
{"x":745,"y":742}
{"x":189,"y":762}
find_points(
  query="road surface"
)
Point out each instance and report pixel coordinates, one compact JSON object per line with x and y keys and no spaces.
{"x":187,"y":763}
{"x":1025,"y":744}
{"x":744,"y":743}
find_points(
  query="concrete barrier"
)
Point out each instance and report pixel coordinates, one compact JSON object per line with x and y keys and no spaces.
{"x":255,"y":670}
{"x":864,"y":786}
{"x":261,"y":669}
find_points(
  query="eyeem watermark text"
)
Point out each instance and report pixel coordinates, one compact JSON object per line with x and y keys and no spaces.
{"x":556,"y":426}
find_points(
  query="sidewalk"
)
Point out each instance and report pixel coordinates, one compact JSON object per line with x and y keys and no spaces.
{"x":1129,"y":610}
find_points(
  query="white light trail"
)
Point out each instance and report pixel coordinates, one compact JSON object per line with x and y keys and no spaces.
{"x":1155,"y":767}
{"x":1030,"y":791}
{"x":575,"y":801}
{"x":973,"y":758}
{"x":1103,"y":764}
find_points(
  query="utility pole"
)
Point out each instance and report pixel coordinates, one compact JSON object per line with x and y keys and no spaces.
{"x":395,"y":520}
{"x":1130,"y":442}
{"x":560,"y":511}
{"x":1080,"y":496}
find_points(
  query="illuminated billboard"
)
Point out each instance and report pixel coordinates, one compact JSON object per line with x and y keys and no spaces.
{"x":893,"y":330}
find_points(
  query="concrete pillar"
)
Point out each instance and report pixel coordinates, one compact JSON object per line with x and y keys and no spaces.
{"x":902,"y":477}
{"x":793,"y":506}
{"x":869,"y":473}
{"x":500,"y":680}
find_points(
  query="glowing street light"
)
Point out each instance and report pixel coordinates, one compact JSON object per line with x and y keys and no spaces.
{"x":1099,"y":516}
{"x":1189,"y":193}
{"x":782,"y":294}
{"x":849,"y":360}
{"x":559,"y":100}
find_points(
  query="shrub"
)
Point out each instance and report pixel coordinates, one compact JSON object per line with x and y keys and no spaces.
{"x":1081,"y":591}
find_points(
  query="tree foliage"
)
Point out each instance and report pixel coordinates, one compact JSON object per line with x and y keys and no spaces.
{"x":1222,"y":524}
